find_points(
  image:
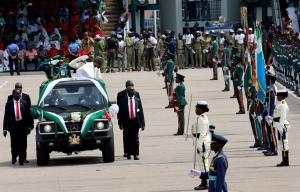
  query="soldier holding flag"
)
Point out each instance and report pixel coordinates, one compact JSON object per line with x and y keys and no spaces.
{"x":238,"y":83}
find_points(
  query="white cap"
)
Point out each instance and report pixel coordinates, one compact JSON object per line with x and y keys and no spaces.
{"x":206,"y":33}
{"x":250,"y":29}
{"x":231,"y":31}
{"x":212,"y":31}
{"x":202,"y":102}
{"x":198,"y":31}
{"x":240,"y":30}
{"x":119,"y":36}
{"x":222,"y":32}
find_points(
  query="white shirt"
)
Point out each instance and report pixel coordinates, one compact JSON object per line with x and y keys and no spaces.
{"x":239,"y":38}
{"x":222,"y":40}
{"x":133,"y":105}
{"x":188,"y":38}
{"x":251,"y":38}
{"x":15,"y":109}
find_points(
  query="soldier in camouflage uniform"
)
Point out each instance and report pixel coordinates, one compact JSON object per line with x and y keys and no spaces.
{"x":206,"y":48}
{"x":180,"y":58}
{"x":199,"y":40}
{"x":130,"y":51}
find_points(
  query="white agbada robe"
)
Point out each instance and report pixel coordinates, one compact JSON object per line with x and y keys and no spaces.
{"x":88,"y":70}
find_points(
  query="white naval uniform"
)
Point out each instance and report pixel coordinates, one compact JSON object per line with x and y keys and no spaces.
{"x":281,"y":110}
{"x":202,"y":127}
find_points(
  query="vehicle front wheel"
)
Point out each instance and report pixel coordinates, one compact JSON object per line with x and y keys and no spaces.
{"x":42,"y":156}
{"x":108,"y":151}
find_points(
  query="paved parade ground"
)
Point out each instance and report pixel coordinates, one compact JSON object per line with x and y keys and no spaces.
{"x":165,"y":160}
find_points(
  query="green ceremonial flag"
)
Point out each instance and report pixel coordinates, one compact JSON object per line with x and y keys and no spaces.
{"x":248,"y":73}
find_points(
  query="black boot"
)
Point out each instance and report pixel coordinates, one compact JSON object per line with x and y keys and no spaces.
{"x":282,"y":162}
{"x":286,"y":162}
{"x":202,"y":186}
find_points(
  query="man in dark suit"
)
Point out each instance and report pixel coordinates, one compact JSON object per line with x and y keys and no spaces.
{"x":120,"y":96}
{"x":131,"y":119}
{"x":25,"y":97}
{"x":18,"y":122}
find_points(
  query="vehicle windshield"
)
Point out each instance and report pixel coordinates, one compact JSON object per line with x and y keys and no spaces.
{"x":85,"y":96}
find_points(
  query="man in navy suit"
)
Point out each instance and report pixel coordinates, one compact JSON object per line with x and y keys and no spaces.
{"x":18,"y":122}
{"x":131,"y":119}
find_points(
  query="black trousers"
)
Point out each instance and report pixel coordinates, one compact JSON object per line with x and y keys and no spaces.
{"x":252,"y":122}
{"x":18,"y":141}
{"x":131,"y":138}
{"x":11,"y":64}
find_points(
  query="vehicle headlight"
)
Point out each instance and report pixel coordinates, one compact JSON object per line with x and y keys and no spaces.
{"x":100,"y":125}
{"x":47,"y":128}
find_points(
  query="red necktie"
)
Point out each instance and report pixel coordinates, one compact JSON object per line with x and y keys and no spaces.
{"x":131,"y":109}
{"x":17,"y":110}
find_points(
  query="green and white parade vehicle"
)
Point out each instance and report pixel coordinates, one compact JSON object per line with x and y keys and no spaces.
{"x":74,"y":114}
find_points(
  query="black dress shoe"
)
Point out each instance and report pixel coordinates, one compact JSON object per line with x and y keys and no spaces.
{"x":232,"y":97}
{"x":13,"y":161}
{"x":167,"y":107}
{"x":164,"y":87}
{"x":26,"y":161}
{"x":271,"y":153}
{"x":125,"y":155}
{"x":240,"y":112}
{"x":225,"y":90}
{"x":21,"y":163}
{"x":261,"y":148}
{"x":176,"y":134}
{"x":128,"y":157}
{"x":201,"y":187}
{"x":136,"y":157}
{"x":254,"y":146}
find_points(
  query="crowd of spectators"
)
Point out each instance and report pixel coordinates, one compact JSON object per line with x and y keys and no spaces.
{"x":34,"y":30}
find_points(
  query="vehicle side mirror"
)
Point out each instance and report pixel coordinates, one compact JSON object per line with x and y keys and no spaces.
{"x":34,"y":111}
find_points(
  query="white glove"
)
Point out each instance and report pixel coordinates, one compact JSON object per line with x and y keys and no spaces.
{"x":259,"y":118}
{"x":199,"y":149}
{"x":239,"y":87}
{"x":194,"y":173}
{"x":269,"y":120}
{"x":113,"y":110}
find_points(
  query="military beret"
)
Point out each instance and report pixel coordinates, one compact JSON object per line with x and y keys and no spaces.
{"x":237,"y":57}
{"x":218,"y":139}
{"x":179,"y":76}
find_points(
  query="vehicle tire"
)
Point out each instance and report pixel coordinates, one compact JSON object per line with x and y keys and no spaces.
{"x":42,"y":156}
{"x":108,"y":151}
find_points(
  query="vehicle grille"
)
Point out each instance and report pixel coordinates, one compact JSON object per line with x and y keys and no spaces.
{"x":72,"y":127}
